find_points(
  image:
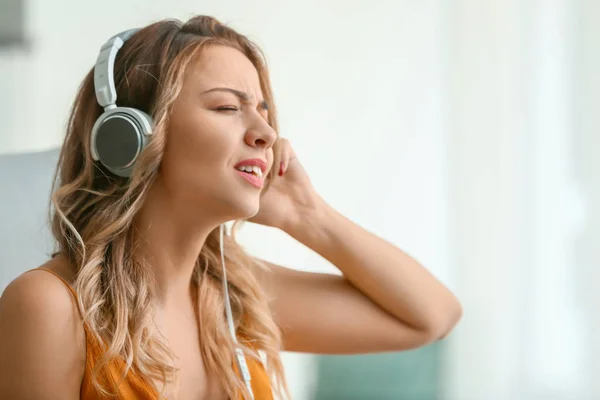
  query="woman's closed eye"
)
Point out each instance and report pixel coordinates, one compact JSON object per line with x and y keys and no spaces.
{"x":227,"y":108}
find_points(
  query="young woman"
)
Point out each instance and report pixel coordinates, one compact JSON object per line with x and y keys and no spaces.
{"x":133,"y":302}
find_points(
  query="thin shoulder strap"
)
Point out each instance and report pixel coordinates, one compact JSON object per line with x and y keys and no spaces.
{"x":59,"y":277}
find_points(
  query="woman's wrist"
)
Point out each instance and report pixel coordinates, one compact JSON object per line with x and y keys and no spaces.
{"x":309,"y":223}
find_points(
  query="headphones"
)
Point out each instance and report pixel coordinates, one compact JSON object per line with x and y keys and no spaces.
{"x":120,"y":133}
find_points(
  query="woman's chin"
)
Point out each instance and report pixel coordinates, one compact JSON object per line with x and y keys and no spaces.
{"x":251,"y":213}
{"x":246,"y":211}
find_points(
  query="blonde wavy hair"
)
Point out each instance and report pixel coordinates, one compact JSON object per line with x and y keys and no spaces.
{"x":92,"y":214}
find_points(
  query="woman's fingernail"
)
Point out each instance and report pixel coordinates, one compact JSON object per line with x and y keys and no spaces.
{"x":281,"y":168}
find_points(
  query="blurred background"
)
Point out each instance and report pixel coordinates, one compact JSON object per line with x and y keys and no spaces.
{"x":467,"y":132}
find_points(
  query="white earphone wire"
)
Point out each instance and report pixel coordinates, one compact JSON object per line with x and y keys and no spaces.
{"x":241,"y":359}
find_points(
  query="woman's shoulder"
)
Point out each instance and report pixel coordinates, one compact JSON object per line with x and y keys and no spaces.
{"x":60,"y":267}
{"x":40,"y":325}
{"x":48,"y":286}
{"x":42,"y":297}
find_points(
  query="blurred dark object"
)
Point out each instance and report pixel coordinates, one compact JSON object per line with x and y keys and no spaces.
{"x":408,"y":375}
{"x":12,"y":24}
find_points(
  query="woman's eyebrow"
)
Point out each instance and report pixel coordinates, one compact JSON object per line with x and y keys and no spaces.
{"x":243,"y":96}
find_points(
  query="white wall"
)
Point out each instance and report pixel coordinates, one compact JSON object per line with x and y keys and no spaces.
{"x":584,"y":170}
{"x":486,"y":115}
{"x":523,"y":136}
{"x":358,"y":86}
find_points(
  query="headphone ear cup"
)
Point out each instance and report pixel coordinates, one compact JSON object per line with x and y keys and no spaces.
{"x":118,"y":137}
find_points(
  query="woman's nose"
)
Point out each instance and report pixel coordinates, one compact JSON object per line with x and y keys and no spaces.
{"x":262,"y":135}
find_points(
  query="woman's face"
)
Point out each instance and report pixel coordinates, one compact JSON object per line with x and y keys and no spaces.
{"x":218,"y":128}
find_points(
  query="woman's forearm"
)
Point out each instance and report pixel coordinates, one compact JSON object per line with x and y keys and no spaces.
{"x":389,"y":277}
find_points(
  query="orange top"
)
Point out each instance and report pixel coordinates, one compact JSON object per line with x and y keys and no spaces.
{"x":133,"y":386}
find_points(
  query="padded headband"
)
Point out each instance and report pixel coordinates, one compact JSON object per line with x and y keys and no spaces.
{"x":104,"y":81}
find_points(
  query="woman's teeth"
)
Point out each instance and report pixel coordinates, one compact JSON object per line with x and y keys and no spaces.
{"x":251,"y":169}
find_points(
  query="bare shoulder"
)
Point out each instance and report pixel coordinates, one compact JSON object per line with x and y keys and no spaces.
{"x":40,"y":295}
{"x":42,"y":336}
